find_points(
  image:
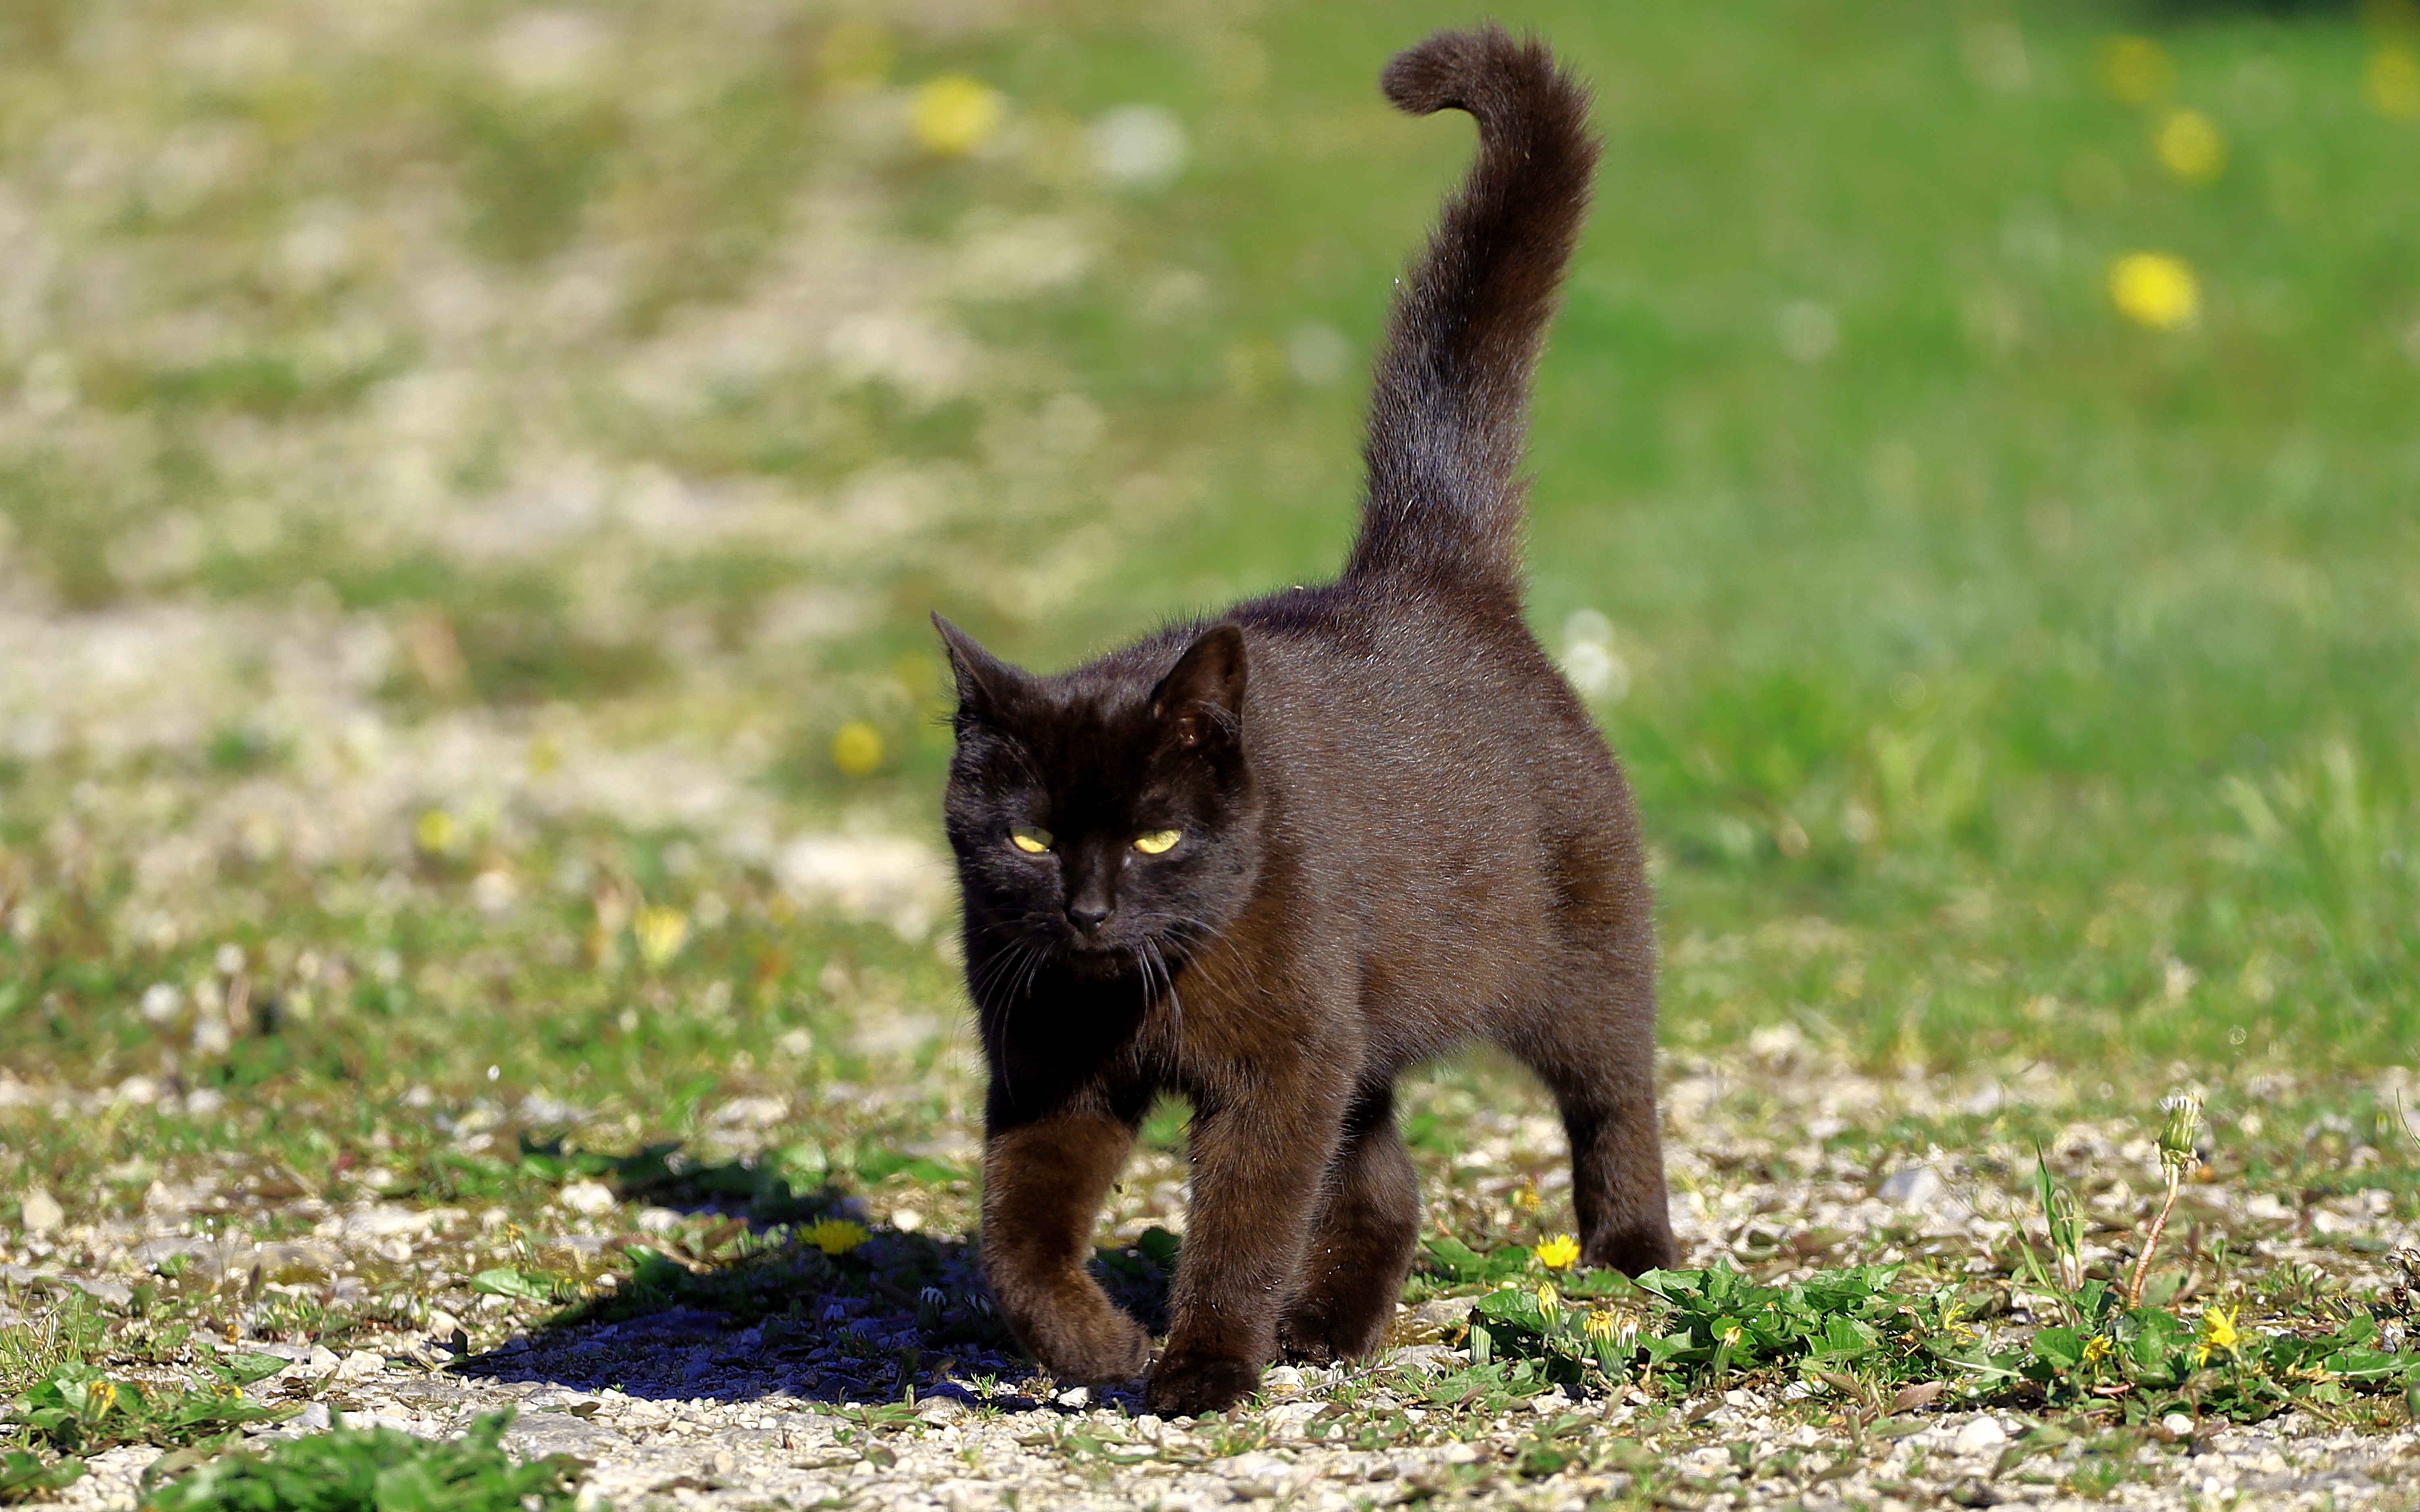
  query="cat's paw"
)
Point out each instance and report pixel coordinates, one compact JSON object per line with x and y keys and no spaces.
{"x":1305,"y":1346}
{"x":1189,"y":1386}
{"x":1318,"y":1336}
{"x":1102,"y":1350}
{"x":1632,"y":1251}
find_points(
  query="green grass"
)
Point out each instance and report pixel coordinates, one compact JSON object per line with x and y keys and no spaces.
{"x":2003,"y":682}
{"x":359,"y":1469}
{"x":2007,"y":682}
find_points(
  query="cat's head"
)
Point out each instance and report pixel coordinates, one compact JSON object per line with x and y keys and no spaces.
{"x":1105,"y":820}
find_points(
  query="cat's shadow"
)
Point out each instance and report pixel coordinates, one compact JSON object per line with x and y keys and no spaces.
{"x":774,"y":1315}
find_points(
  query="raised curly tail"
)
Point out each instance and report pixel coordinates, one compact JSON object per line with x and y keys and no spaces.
{"x":1448,"y":411}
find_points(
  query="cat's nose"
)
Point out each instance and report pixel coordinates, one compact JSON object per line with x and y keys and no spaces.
{"x":1087,"y":916}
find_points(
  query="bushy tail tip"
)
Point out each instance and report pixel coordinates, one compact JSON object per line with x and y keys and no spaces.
{"x":1483,"y":71}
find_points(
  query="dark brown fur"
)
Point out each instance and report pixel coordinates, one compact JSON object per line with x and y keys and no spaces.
{"x":1401,"y":833}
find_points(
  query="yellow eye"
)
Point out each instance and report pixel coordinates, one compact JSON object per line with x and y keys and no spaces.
{"x":1159,"y":842}
{"x":1030,"y":841}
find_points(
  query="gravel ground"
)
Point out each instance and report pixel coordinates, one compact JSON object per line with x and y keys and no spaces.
{"x":700,"y":1424}
{"x":740,"y":1448}
{"x":687,"y":1406}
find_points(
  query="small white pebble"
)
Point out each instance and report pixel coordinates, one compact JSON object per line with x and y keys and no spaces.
{"x":360,"y":1364}
{"x":1979,"y":1436}
{"x":589,"y":1198}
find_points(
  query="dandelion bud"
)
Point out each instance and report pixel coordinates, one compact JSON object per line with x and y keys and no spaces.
{"x":2183,"y":1110}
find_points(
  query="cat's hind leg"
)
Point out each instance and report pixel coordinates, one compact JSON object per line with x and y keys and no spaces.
{"x":1361,"y":1243}
{"x":1595,"y":1051}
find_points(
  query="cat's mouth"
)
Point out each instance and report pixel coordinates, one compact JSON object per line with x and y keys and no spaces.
{"x":1111,"y":954}
{"x":1095,"y":953}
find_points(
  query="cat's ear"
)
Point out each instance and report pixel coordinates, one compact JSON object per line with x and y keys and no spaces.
{"x":985,"y":681}
{"x":1202,"y":695}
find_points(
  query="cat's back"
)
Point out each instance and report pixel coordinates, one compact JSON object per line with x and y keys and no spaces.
{"x":1428,"y":739}
{"x":1438,"y":775}
{"x":1400,"y":671}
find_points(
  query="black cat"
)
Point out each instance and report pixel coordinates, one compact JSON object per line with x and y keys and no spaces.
{"x":1270,"y":862}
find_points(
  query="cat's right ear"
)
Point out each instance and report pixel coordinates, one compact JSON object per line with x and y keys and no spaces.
{"x":1202,"y":698}
{"x":985,"y":681}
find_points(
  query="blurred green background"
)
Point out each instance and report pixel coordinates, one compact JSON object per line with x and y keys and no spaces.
{"x":473,"y":479}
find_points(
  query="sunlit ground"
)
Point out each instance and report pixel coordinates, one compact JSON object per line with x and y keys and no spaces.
{"x":472,"y":481}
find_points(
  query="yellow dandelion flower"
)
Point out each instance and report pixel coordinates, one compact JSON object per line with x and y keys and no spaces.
{"x":1550,"y":1302}
{"x":2155,"y":290}
{"x":1558,"y":1253}
{"x":2391,"y":82}
{"x":99,"y":1397}
{"x":2218,"y":1331}
{"x":1527,"y":1197}
{"x":857,"y":748}
{"x":2136,"y":71}
{"x":836,"y":1236}
{"x":954,"y":115}
{"x":661,"y":931}
{"x":2097,"y":1349}
{"x":434,"y":831}
{"x":2191,"y":145}
{"x":1599,"y":1324}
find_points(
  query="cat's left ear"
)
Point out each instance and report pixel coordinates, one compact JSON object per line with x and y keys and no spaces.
{"x":1202,"y":698}
{"x":985,"y":681}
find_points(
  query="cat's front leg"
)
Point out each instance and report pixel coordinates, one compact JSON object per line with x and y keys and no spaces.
{"x":1043,"y":1181}
{"x":1257,"y":1163}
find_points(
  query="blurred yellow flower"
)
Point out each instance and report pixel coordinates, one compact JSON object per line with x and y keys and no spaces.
{"x":434,"y":831}
{"x":955,"y":114}
{"x":2155,"y":290}
{"x":1550,"y":1302}
{"x":1599,"y":1325}
{"x":2391,"y":80}
{"x":661,"y":931}
{"x":2191,"y":145}
{"x":2218,"y":1332}
{"x":2136,"y":69}
{"x":2097,"y":1349}
{"x":857,"y":748}
{"x":1526,"y":1198}
{"x":1558,"y":1253}
{"x":836,"y":1236}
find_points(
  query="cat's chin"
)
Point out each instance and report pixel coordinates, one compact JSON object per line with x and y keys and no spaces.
{"x":1096,"y":962}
